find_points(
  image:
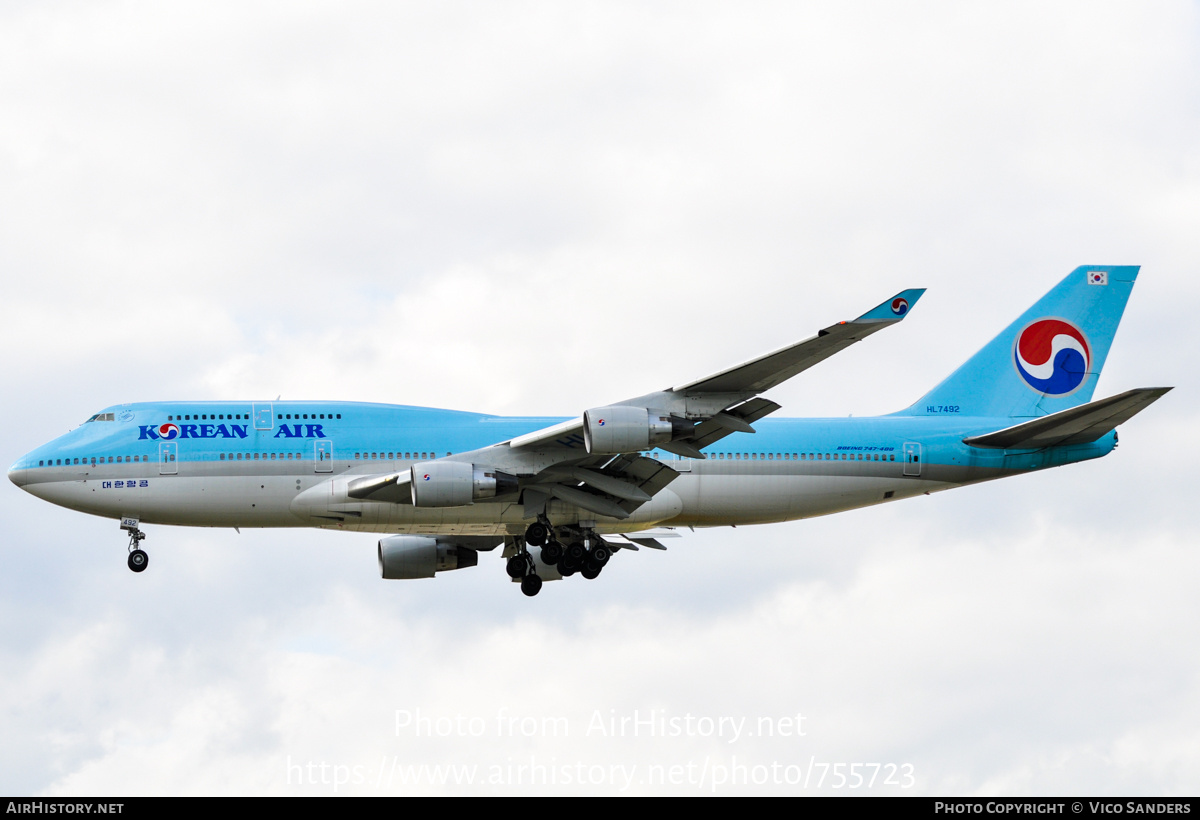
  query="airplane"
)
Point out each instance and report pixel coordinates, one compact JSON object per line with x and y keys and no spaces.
{"x":562,"y":496}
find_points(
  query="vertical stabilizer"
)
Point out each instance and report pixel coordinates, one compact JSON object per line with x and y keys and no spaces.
{"x":1047,"y":360}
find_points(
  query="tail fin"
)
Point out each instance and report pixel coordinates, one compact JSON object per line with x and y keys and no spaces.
{"x":1047,"y":360}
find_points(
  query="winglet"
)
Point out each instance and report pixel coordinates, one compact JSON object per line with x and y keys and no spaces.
{"x":894,"y":309}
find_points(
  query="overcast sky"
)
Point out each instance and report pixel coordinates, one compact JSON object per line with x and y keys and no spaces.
{"x":535,"y":208}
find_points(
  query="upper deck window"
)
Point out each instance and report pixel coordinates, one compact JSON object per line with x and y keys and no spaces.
{"x":100,"y":417}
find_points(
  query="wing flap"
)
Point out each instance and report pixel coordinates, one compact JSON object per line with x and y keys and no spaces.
{"x":549,"y":434}
{"x":591,"y":502}
{"x":1077,"y":425}
{"x":647,"y":538}
{"x":616,"y":489}
{"x":718,"y":428}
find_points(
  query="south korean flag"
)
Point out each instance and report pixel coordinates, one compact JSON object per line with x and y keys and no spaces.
{"x":1097,"y":277}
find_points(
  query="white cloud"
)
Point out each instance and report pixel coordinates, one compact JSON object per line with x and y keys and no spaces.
{"x":531,"y":210}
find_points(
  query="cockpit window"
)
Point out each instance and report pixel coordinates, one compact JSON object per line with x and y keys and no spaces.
{"x":100,"y":417}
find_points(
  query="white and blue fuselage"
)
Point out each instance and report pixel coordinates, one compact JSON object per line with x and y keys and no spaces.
{"x":281,"y":464}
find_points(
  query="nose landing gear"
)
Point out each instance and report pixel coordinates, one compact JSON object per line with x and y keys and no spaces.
{"x":138,"y":559}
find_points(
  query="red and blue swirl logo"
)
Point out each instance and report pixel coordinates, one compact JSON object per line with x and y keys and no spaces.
{"x":168,"y":431}
{"x":899,"y":306}
{"x":1052,"y":356}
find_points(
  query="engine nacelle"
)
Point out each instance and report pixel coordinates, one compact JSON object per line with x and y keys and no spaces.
{"x":420,"y":556}
{"x":620,"y":429}
{"x":456,"y":484}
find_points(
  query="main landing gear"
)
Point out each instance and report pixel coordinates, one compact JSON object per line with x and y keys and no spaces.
{"x":522,"y":565}
{"x":584,"y":553}
{"x":138,"y":559}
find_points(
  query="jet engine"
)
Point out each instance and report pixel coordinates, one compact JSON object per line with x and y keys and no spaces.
{"x":456,"y":484}
{"x":420,"y":556}
{"x":621,"y":429}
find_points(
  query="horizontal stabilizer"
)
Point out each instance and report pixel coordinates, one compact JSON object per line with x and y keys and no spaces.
{"x":1077,"y":425}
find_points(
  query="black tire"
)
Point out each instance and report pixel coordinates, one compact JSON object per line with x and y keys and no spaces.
{"x":552,"y":552}
{"x":138,"y":560}
{"x":536,"y":534}
{"x":517,"y":566}
{"x":591,"y":572}
{"x":576,"y":552}
{"x":531,"y":585}
{"x":601,"y":554}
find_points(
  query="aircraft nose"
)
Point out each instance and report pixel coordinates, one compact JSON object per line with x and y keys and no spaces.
{"x":16,"y":473}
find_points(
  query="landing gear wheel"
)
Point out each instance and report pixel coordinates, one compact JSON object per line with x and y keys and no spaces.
{"x":552,"y":552}
{"x":531,"y":585}
{"x":576,"y":552}
{"x":601,"y":554}
{"x":537,"y":534}
{"x":591,"y":572}
{"x":519,"y":565}
{"x":138,"y":560}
